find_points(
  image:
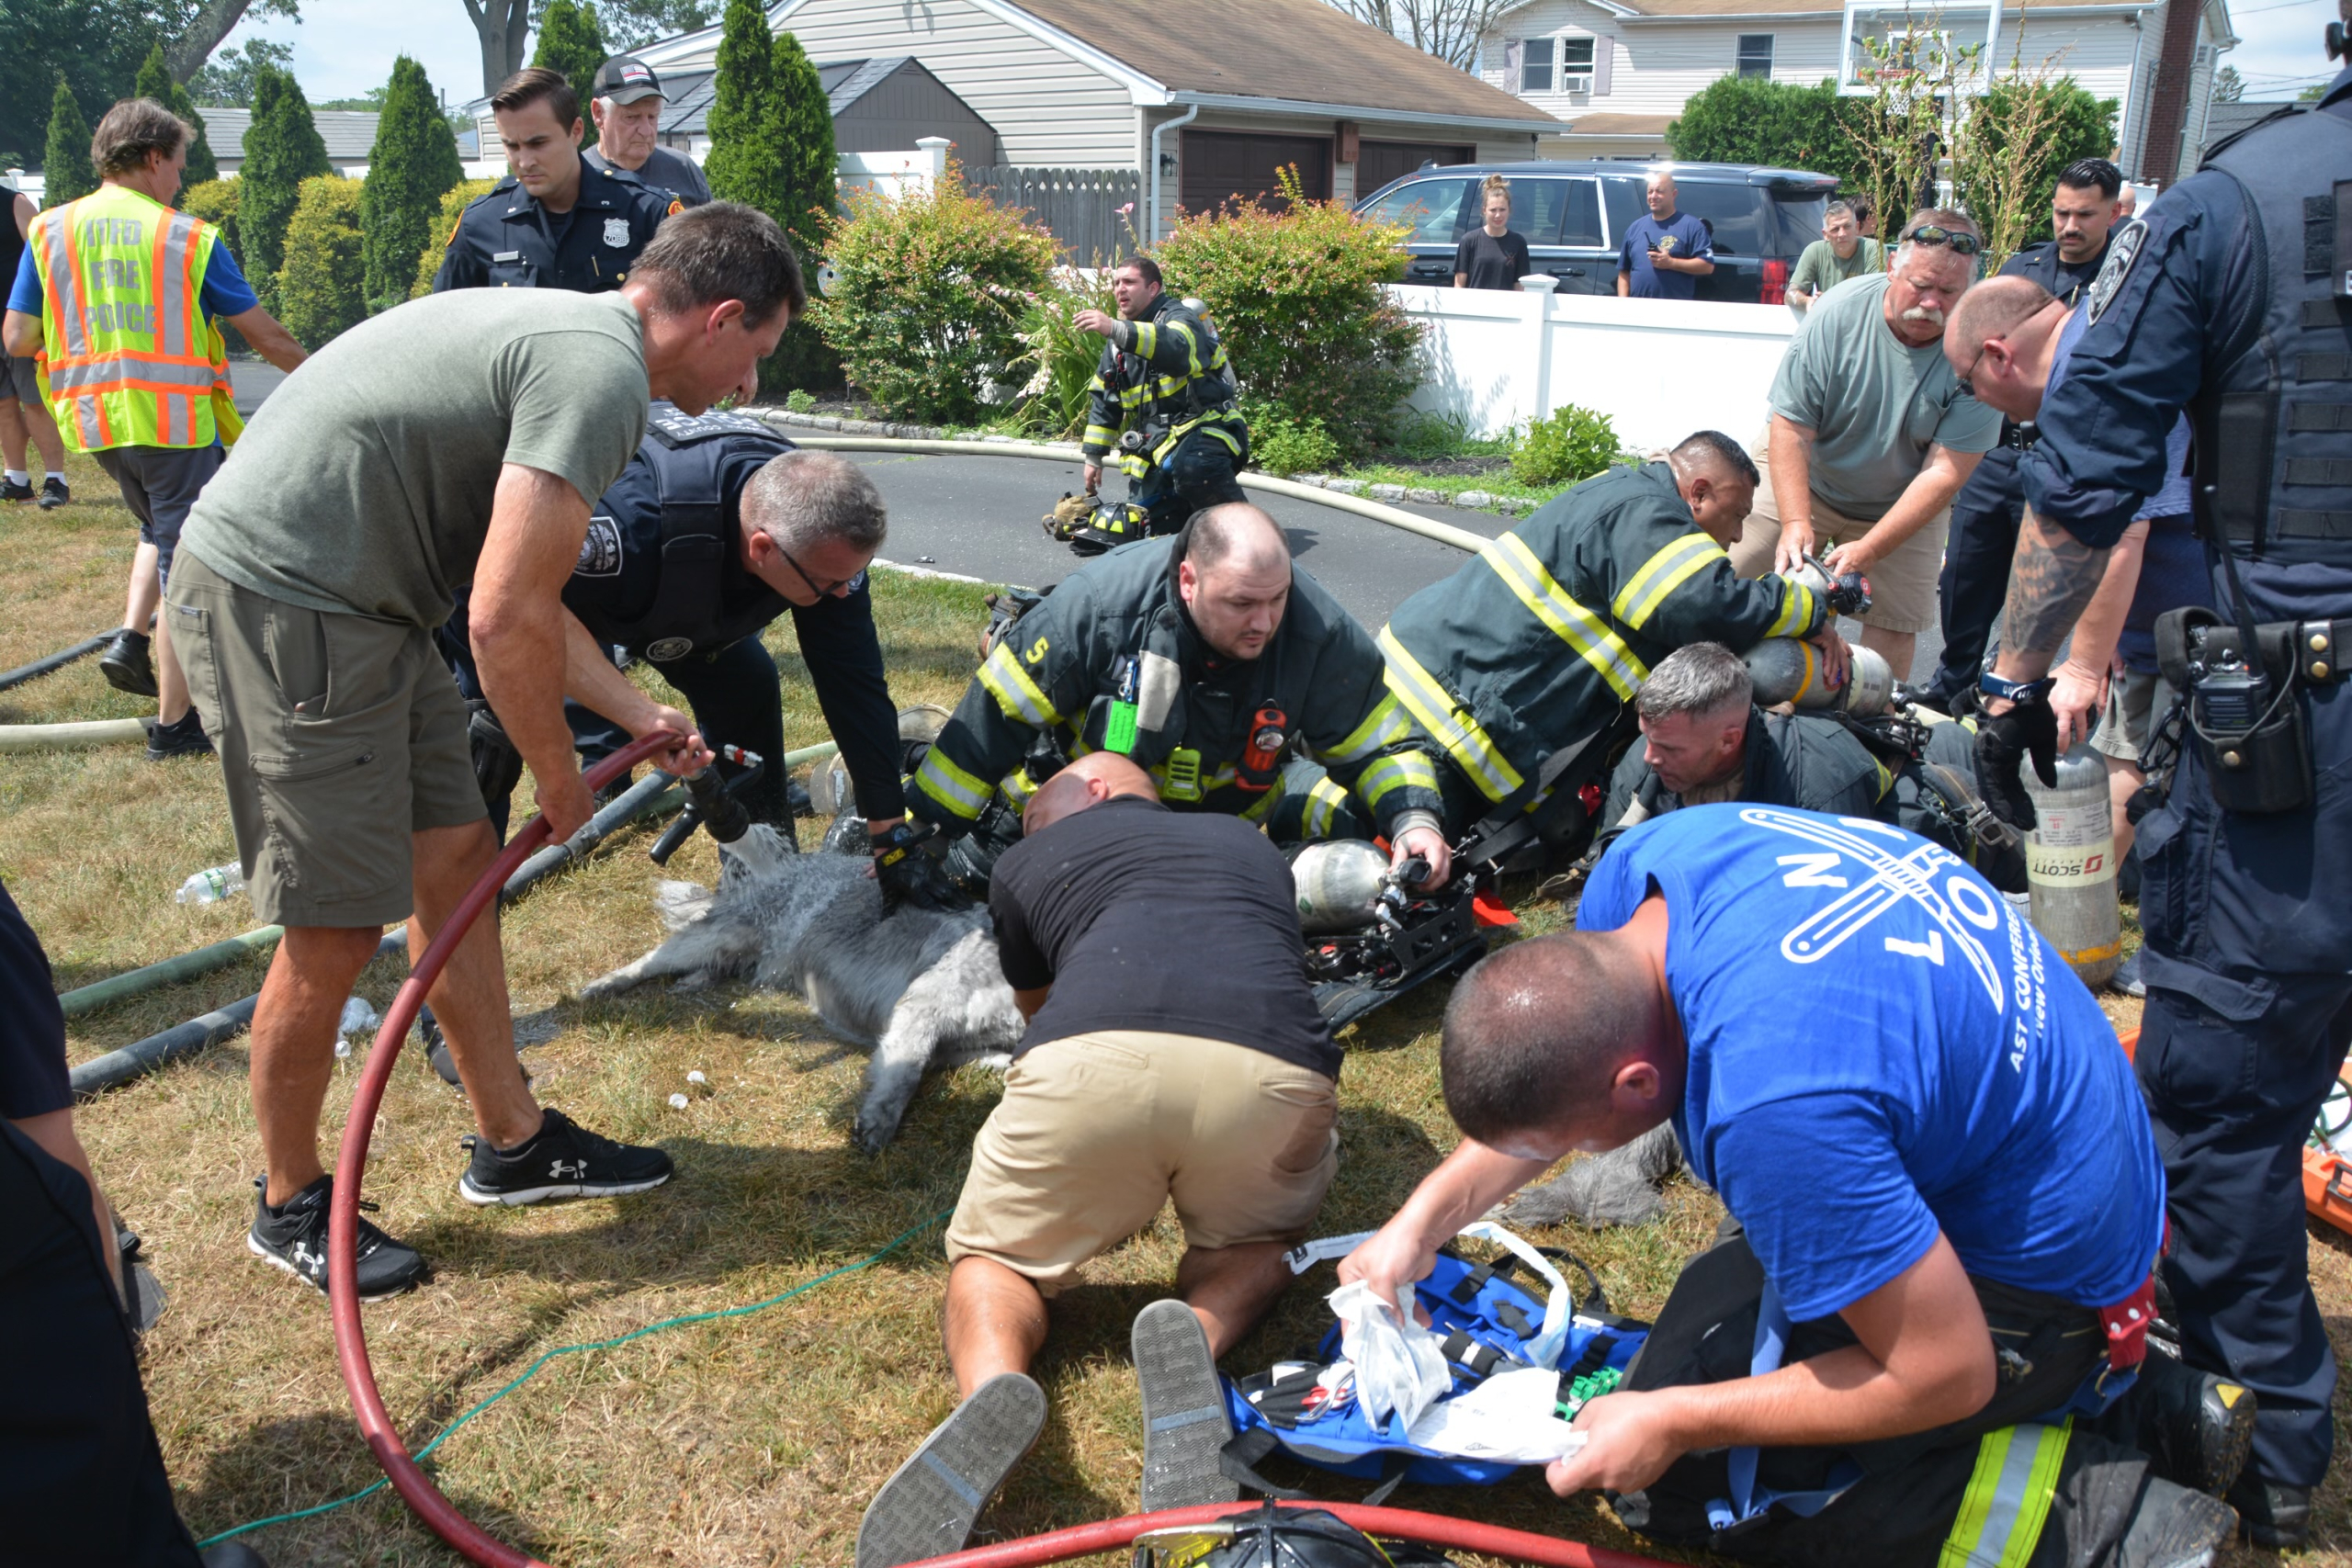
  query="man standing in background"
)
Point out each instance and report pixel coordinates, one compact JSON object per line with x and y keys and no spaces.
{"x":625,"y":101}
{"x":23,"y":414}
{"x":1841,"y":252}
{"x":1666,"y":253}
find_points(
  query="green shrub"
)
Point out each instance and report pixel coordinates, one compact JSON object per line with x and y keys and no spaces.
{"x":931,"y":288}
{"x":322,"y":289}
{"x":454,"y":203}
{"x":572,"y":45}
{"x":215,"y":201}
{"x":1283,"y":443}
{"x":154,"y":81}
{"x":65,"y":162}
{"x":2021,"y":135}
{"x":1568,"y":444}
{"x":414,"y":163}
{"x":799,"y":399}
{"x":1748,"y":119}
{"x":1062,"y":358}
{"x":282,"y":150}
{"x":1296,"y":296}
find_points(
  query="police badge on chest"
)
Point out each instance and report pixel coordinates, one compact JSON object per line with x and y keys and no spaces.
{"x":616,"y":233}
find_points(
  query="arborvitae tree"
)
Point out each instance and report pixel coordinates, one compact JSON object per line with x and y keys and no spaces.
{"x":571,"y":41}
{"x":426,"y":265}
{"x":65,"y":167}
{"x":319,"y":290}
{"x":282,"y":148}
{"x":414,"y":163}
{"x":155,"y":82}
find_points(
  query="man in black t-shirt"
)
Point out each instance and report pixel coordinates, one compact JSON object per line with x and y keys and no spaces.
{"x":1494,"y":257}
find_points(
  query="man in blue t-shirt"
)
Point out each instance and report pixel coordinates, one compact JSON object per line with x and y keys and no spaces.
{"x":1664,"y":252}
{"x":1947,"y":1197}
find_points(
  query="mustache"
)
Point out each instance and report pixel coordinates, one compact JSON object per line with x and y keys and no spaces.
{"x":1927,"y":313}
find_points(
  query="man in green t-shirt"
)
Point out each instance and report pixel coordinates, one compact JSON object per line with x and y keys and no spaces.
{"x":1842,"y":251}
{"x":458,"y":440}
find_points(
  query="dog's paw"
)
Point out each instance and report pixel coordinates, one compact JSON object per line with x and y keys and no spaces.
{"x":872,"y":1134}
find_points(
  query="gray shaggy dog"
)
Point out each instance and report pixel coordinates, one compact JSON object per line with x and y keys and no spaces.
{"x":918,"y":989}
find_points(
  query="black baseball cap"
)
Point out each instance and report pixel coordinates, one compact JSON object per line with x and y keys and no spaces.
{"x":624,"y":79}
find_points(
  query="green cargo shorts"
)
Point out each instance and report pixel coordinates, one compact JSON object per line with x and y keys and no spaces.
{"x":339,"y":735}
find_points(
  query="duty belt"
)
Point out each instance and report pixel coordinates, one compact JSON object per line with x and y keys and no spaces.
{"x":2318,"y":645}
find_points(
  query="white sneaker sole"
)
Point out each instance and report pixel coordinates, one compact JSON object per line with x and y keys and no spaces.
{"x":258,"y":1250}
{"x":554,"y":1193}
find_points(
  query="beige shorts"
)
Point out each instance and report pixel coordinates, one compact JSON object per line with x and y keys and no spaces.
{"x":2135,"y":702}
{"x":339,"y":735}
{"x":1903,"y":585}
{"x":1096,"y":1131}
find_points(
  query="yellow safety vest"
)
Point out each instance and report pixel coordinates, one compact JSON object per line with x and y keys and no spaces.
{"x":127,"y":357}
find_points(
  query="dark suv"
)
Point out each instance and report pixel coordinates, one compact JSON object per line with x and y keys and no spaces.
{"x":1575,"y":216}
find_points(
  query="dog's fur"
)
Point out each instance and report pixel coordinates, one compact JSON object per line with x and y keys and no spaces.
{"x":919,"y":988}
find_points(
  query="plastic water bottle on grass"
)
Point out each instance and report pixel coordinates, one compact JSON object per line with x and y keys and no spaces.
{"x":211,"y":886}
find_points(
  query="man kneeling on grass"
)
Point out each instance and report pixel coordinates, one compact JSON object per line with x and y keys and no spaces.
{"x":1945,"y":1199}
{"x":1200,"y":1072}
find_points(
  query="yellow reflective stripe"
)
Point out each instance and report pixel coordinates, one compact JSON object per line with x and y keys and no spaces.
{"x":1582,"y":630}
{"x":1016,"y":787}
{"x":1146,"y":340}
{"x":1324,"y":803}
{"x":1406,"y":770}
{"x":958,"y":791}
{"x":1100,"y":436}
{"x":1017,"y":694}
{"x":1796,"y":612}
{"x":1384,"y":725}
{"x":1661,"y":575}
{"x":1885,"y":779}
{"x":2007,"y":1500}
{"x":1462,"y":736}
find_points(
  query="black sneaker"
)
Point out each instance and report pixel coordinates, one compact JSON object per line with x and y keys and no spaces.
{"x":2278,"y":1517}
{"x":126,"y":664}
{"x":2194,"y":1426}
{"x":562,"y":1161}
{"x":11,"y":491}
{"x":54,"y":493}
{"x":186,"y":739}
{"x":294,"y":1237}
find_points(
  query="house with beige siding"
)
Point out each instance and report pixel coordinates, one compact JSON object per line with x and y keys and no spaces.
{"x":1202,"y":99}
{"x":1618,"y":71}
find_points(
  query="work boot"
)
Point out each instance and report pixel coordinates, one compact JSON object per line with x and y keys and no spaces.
{"x":2175,"y":1527}
{"x":927,"y":1507}
{"x":2194,"y":1426}
{"x":125,"y":664}
{"x":53,"y":494}
{"x":183,"y":739}
{"x":2278,"y":1517}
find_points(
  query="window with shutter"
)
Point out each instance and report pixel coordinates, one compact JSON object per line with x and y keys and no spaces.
{"x":1576,"y":64}
{"x":1535,"y":64}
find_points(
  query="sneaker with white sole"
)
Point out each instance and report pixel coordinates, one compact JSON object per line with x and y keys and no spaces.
{"x":1185,"y":1424}
{"x":294,"y":1237}
{"x":561,"y":1160}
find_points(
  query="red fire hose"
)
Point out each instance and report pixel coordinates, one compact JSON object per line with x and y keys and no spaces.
{"x":470,"y":1541}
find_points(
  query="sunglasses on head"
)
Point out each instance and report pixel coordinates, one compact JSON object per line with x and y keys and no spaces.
{"x":1931,"y":234}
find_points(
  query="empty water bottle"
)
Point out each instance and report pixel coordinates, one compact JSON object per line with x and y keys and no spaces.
{"x":211,"y":886}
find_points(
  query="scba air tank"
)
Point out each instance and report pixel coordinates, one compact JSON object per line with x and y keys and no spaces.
{"x":2070,"y":863}
{"x":1338,"y":886}
{"x":1787,"y":669}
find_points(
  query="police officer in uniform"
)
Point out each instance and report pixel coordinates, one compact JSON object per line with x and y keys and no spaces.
{"x":716,"y":527}
{"x":1163,"y":397}
{"x":2231,"y":297}
{"x":1984,"y":516}
{"x":557,"y":222}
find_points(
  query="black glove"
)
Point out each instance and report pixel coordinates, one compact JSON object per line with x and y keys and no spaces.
{"x":2003,"y":744}
{"x":906,"y":865}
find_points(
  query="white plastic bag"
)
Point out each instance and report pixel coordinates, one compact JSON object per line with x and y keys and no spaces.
{"x":1510,"y":1418}
{"x":1399,"y":1364}
{"x":359,"y":1017}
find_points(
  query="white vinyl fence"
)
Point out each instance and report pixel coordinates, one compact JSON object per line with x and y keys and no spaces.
{"x":1659,"y":369}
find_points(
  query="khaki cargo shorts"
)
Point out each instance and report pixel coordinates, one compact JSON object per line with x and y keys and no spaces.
{"x":2137,"y":702}
{"x":1096,"y":1131}
{"x":339,"y":735}
{"x":1903,"y":585}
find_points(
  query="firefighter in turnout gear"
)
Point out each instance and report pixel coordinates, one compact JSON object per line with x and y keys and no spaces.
{"x":1208,"y":659}
{"x":1163,"y":401}
{"x":1520,"y":668}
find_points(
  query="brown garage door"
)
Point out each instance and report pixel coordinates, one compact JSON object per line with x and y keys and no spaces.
{"x":1377,"y":162}
{"x":1221,"y":164}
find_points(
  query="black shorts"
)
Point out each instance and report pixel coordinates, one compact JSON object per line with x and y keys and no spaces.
{"x":160,"y":485}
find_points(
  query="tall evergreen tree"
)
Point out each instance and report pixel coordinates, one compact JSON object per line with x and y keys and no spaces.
{"x":65,"y":167}
{"x":414,"y":161}
{"x":283,"y":148}
{"x":155,"y":82}
{"x":571,"y":41}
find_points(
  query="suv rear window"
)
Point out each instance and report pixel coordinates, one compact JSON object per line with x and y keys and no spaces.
{"x":1430,"y":209}
{"x":1745,"y":220}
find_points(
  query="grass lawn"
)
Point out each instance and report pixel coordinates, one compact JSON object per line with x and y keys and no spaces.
{"x":754,"y":1441}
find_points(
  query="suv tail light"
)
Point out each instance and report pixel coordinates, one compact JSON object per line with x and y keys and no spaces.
{"x":1776,"y":283}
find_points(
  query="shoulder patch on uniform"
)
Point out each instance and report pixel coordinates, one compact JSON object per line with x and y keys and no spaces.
{"x":600,"y":552}
{"x":675,"y":208}
{"x":453,"y":233}
{"x":2122,"y":253}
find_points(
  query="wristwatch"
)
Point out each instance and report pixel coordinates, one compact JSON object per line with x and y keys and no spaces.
{"x":2023,"y":693}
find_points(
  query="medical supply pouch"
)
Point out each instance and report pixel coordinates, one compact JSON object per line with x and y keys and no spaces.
{"x":1512,"y":1316}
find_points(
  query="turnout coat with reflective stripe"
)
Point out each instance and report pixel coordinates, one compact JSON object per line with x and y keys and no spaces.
{"x":127,"y":354}
{"x":1537,"y":643}
{"x":1168,"y":368}
{"x":1056,"y":672}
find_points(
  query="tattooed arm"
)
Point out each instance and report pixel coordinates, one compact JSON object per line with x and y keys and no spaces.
{"x":2051,"y":580}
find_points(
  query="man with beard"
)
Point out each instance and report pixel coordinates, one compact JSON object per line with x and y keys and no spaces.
{"x":1872,"y":434}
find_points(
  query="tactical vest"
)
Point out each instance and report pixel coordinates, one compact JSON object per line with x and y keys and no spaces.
{"x":128,"y":356}
{"x":688,"y":455}
{"x":2274,"y":425}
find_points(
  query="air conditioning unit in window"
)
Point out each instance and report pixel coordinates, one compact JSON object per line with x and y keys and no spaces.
{"x":1579,"y":83}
